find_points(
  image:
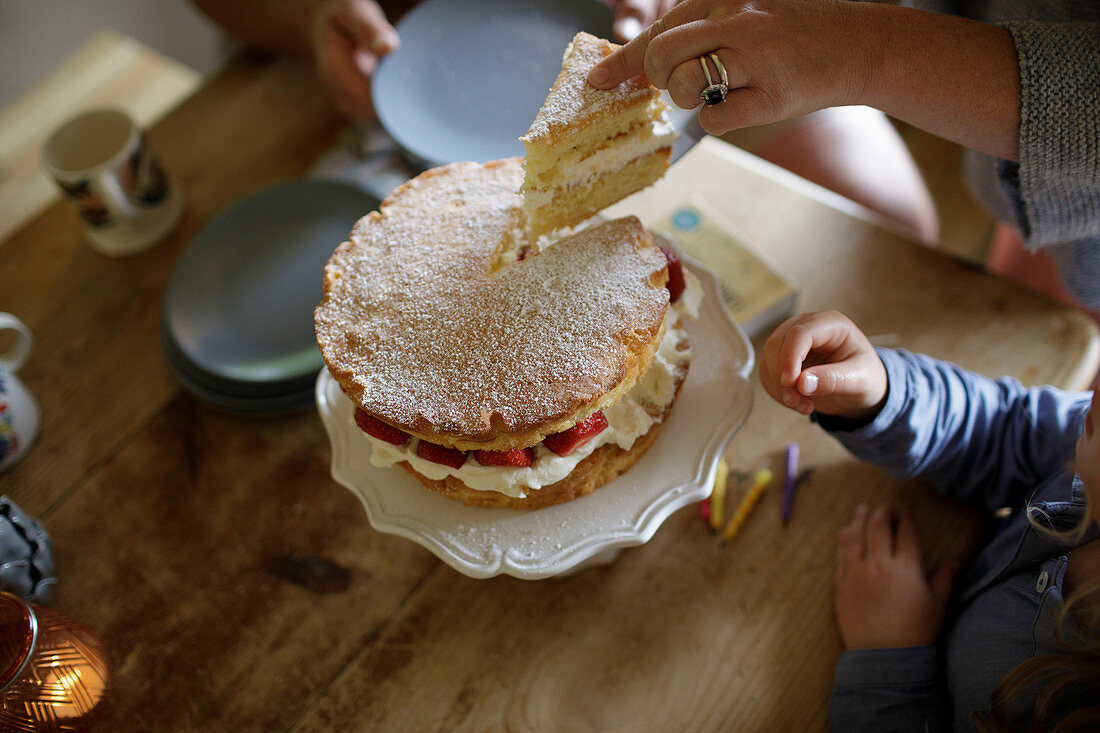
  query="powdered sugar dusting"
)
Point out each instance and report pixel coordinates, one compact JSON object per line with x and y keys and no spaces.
{"x":571,"y":100}
{"x":419,"y":330}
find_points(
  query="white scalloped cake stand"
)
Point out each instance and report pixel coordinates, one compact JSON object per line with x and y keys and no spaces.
{"x":677,"y":470}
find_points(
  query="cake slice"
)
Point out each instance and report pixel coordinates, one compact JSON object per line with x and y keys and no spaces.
{"x":589,"y":148}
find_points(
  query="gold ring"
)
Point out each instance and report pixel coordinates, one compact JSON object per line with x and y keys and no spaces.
{"x":715,"y":91}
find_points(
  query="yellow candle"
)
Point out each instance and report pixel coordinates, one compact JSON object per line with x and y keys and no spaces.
{"x":718,"y":496}
{"x":760,"y":482}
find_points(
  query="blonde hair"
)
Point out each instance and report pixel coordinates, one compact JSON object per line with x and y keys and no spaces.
{"x":1055,"y":672}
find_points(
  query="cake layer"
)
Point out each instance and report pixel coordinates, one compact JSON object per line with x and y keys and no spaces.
{"x":568,"y":205}
{"x":599,"y":468}
{"x":544,"y":170}
{"x":546,"y":156}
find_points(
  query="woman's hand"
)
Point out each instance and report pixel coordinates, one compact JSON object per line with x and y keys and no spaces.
{"x":783,"y":58}
{"x":823,"y":362}
{"x":349,"y":36}
{"x":883,"y":599}
{"x":956,"y":78}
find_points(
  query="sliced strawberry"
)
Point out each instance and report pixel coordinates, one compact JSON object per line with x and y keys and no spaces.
{"x":675,"y":282}
{"x":374,"y":427}
{"x":452,"y":457}
{"x":567,"y":441}
{"x":515,"y":458}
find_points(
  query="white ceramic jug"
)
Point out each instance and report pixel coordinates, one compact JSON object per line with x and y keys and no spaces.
{"x":19,"y":415}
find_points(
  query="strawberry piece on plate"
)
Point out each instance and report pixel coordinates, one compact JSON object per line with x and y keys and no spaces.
{"x":376,"y":428}
{"x":675,"y":282}
{"x":515,"y":458}
{"x":452,"y":457}
{"x":567,"y":441}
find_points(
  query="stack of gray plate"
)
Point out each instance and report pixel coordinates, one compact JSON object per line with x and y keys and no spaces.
{"x":237,"y":326}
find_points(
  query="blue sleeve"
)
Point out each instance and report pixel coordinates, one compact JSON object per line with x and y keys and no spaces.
{"x":988,"y":443}
{"x":883,"y":690}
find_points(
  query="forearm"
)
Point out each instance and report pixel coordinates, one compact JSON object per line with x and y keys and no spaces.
{"x":276,"y":26}
{"x":888,"y":689}
{"x":955,"y":78}
{"x":985,"y":442}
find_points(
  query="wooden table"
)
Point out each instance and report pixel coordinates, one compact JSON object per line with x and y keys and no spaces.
{"x":237,"y":587}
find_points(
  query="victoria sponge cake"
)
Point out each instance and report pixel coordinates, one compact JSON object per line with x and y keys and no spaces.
{"x":492,"y":374}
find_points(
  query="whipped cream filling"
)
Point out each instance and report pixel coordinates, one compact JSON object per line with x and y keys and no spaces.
{"x":627,"y":420}
{"x":660,"y":133}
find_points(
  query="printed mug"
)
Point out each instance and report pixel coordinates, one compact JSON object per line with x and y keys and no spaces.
{"x":19,"y":417}
{"x":104,"y":166}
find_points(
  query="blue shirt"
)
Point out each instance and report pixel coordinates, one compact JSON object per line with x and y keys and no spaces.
{"x":990,"y":444}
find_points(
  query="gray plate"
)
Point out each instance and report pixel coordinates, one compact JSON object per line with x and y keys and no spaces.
{"x":471,"y":75}
{"x":238,"y":309}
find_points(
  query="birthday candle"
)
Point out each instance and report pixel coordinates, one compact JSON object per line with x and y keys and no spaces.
{"x":789,"y":481}
{"x":718,"y":496}
{"x":760,"y":482}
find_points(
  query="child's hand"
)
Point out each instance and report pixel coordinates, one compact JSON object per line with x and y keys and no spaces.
{"x":882,"y":597}
{"x":823,"y":362}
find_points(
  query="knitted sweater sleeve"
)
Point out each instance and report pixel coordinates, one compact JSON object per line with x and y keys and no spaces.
{"x":1059,"y":143}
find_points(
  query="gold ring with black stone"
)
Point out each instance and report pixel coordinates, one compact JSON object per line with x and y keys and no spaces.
{"x":715,"y":91}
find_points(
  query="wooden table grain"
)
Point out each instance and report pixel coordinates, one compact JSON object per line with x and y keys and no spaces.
{"x":238,"y":587}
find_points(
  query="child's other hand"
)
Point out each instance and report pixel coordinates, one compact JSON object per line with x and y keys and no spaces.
{"x":823,"y":362}
{"x":882,"y":597}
